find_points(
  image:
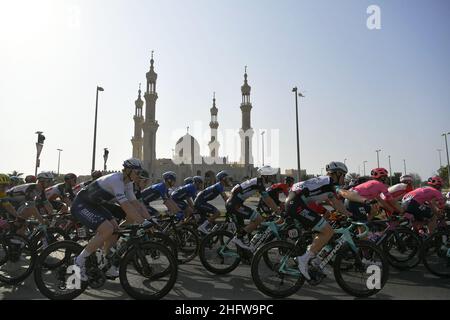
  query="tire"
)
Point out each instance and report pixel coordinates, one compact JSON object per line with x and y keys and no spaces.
{"x":71,"y":250}
{"x":401,"y":241}
{"x":280,"y":250}
{"x":165,"y":240}
{"x":434,"y":254}
{"x":346,"y":257}
{"x":145,"y":251}
{"x":187,"y":241}
{"x":218,"y":238}
{"x":54,"y":234}
{"x":16,"y":249}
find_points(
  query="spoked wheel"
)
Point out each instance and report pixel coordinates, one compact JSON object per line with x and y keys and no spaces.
{"x":362,"y":273}
{"x":436,"y":254}
{"x":55,"y":274}
{"x":43,"y":239}
{"x":148,"y":271}
{"x":275,"y":271}
{"x":17,"y":259}
{"x":187,"y":242}
{"x":217,"y":254}
{"x":402,"y":249}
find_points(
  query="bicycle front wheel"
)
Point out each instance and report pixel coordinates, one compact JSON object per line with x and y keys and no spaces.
{"x":17,"y":259}
{"x":402,"y":249}
{"x":361,"y":273}
{"x":436,"y":254}
{"x":148,"y":271}
{"x":274,"y":270}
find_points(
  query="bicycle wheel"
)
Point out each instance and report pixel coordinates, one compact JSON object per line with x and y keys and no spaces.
{"x":436,"y":254}
{"x":55,"y":275}
{"x":17,"y":259}
{"x":402,"y":249}
{"x":187,"y":242}
{"x":157,"y":274}
{"x":274,"y":270}
{"x":217,"y":254}
{"x":362,"y":273}
{"x":45,"y":238}
{"x":165,"y":240}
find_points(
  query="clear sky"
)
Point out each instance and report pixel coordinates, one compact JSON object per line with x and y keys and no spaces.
{"x":365,"y":89}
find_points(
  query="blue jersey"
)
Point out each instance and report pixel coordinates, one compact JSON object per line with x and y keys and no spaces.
{"x":210,"y":193}
{"x":184,"y":192}
{"x":155,"y":192}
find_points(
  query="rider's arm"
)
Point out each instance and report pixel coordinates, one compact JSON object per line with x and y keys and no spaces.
{"x":351,"y":195}
{"x":172,"y":206}
{"x":435,"y":207}
{"x":339,"y":206}
{"x":190,"y":203}
{"x":390,"y":204}
{"x":224,"y":196}
{"x":140,"y":208}
{"x":131,"y":211}
{"x":10,"y":209}
{"x":270,"y":203}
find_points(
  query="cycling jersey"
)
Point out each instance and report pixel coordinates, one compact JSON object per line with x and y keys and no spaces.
{"x":248,"y":188}
{"x":316,"y":189}
{"x":184,"y":192}
{"x":210,"y":193}
{"x":400,"y":189}
{"x":59,"y":190}
{"x":425,"y":195}
{"x":373,"y":189}
{"x":155,"y":192}
{"x":27,"y":194}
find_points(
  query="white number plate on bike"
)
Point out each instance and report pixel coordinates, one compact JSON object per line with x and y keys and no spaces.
{"x":293,"y":233}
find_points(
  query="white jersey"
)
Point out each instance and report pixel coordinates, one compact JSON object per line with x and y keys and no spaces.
{"x":111,"y":187}
{"x":316,"y":189}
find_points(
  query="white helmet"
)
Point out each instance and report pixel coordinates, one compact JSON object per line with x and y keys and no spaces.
{"x":406,"y":178}
{"x":336,"y":166}
{"x":267,"y":171}
{"x":45,"y":175}
{"x":132,"y":163}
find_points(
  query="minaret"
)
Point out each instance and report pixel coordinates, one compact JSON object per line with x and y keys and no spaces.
{"x":246,"y":132}
{"x":136,"y":140}
{"x":214,"y":143}
{"x":150,"y":125}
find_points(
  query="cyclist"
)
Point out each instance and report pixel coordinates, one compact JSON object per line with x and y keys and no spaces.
{"x":202,"y":206}
{"x":94,"y":176}
{"x":30,"y":179}
{"x":426,"y":203}
{"x":62,"y":191}
{"x":29,"y":196}
{"x":15,"y":181}
{"x":375,"y":189}
{"x":274,"y":192}
{"x":89,"y":208}
{"x":302,"y":203}
{"x":160,"y":191}
{"x":5,"y":181}
{"x":400,"y":189}
{"x":184,"y":195}
{"x":142,"y":184}
{"x":235,"y":204}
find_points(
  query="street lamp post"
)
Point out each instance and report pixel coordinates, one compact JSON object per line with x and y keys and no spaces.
{"x":378,"y":157}
{"x":59,"y":158}
{"x":262,"y":135}
{"x":95,"y":127}
{"x":448,"y":161}
{"x":105,"y":158}
{"x":404,"y":166}
{"x":295,"y":90}
{"x":440,"y":159}
{"x":390,"y":171}
{"x":39,"y":146}
{"x":364,"y":164}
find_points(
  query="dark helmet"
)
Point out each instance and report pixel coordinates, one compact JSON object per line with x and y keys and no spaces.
{"x":30,"y":179}
{"x":289,"y":180}
{"x":221,"y":175}
{"x":169,"y":175}
{"x":132,"y":163}
{"x":70,"y":176}
{"x":197,"y":179}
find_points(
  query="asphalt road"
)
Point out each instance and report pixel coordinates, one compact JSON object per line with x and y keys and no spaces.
{"x":195,"y":283}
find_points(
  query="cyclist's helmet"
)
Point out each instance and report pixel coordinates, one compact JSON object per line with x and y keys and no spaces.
{"x":188,"y":180}
{"x":221,"y":175}
{"x":96,"y":174}
{"x":132,"y":163}
{"x":336,"y":166}
{"x":169,"y":175}
{"x":30,"y":179}
{"x":289,"y":180}
{"x":45,"y":175}
{"x":378,"y":173}
{"x":70,"y":176}
{"x":197,"y":179}
{"x":406,"y":178}
{"x":4,"y":179}
{"x":435,"y":181}
{"x":267,"y":171}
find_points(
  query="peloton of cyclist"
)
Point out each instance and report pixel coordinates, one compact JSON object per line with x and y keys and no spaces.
{"x":426,"y":203}
{"x":240,"y":193}
{"x":62,"y":191}
{"x":202,"y":206}
{"x":90,"y":209}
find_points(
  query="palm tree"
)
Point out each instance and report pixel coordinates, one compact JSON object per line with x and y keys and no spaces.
{"x":15,"y":173}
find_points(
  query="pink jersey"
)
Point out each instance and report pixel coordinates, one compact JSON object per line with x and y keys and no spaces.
{"x":426,"y":194}
{"x":373,"y":189}
{"x":400,"y":189}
